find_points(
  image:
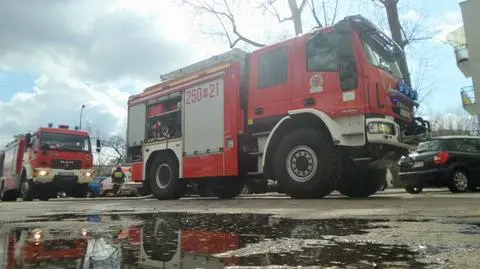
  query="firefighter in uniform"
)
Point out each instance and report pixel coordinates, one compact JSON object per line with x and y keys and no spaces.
{"x":118,"y":177}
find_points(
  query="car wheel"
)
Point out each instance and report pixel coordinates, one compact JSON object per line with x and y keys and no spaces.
{"x":413,"y":189}
{"x":459,"y":182}
{"x":90,"y":194}
{"x":108,"y":193}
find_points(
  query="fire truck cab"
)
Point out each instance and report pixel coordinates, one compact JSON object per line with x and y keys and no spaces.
{"x":48,"y":161}
{"x":327,"y":110}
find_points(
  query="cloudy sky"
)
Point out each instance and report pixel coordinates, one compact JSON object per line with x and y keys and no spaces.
{"x":56,"y":55}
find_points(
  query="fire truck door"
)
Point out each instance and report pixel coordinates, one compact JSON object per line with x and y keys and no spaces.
{"x":270,"y":81}
{"x":375,"y":98}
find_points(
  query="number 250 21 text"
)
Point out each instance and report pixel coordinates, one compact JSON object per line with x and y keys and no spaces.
{"x":198,"y":94}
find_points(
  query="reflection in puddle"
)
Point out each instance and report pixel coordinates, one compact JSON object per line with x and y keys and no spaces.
{"x":174,"y":240}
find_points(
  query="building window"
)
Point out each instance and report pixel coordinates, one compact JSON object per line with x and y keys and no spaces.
{"x":273,"y":68}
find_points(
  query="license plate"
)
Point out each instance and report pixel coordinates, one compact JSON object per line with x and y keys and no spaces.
{"x":418,"y":164}
{"x":65,"y":173}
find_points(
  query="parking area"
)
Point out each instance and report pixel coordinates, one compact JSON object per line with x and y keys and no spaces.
{"x":434,"y":228}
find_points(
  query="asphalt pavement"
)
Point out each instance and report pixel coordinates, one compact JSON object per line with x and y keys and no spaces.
{"x":393,"y":229}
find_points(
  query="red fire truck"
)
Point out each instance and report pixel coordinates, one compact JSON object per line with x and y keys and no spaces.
{"x":49,"y":161}
{"x":322,"y":111}
{"x":27,"y":246}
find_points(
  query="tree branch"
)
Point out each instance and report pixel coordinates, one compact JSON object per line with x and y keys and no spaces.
{"x":314,"y":13}
{"x":228,"y":15}
{"x":302,"y":6}
{"x":335,"y":12}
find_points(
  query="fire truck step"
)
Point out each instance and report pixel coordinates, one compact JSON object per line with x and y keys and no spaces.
{"x":259,"y":153}
{"x":261,"y":134}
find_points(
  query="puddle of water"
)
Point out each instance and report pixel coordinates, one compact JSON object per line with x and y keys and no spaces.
{"x":181,"y":240}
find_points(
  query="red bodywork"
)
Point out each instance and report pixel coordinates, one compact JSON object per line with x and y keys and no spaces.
{"x":40,"y":160}
{"x":372,"y":96}
{"x":17,"y":156}
{"x":32,"y":252}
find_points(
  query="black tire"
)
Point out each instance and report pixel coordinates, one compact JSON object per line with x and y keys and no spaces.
{"x":90,"y":194}
{"x":459,"y":181}
{"x":10,"y":196}
{"x":108,"y":193}
{"x":228,"y":188}
{"x":26,"y":189}
{"x":359,"y":182}
{"x":7,"y":196}
{"x":306,"y":164}
{"x":413,"y":189}
{"x":204,"y":190}
{"x":163,"y":177}
{"x":80,"y":191}
{"x":160,"y":239}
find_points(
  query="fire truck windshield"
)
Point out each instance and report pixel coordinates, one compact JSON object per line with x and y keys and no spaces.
{"x":65,"y":142}
{"x":382,"y":59}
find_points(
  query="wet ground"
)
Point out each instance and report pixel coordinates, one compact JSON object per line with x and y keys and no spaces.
{"x":391,"y":230}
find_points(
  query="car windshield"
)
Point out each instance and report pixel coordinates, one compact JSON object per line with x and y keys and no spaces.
{"x":65,"y":142}
{"x":432,"y":145}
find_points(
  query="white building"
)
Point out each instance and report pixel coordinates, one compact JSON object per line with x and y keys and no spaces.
{"x":466,"y":41}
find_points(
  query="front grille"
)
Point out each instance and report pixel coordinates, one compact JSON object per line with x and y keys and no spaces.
{"x":59,"y":244}
{"x":66,"y":164}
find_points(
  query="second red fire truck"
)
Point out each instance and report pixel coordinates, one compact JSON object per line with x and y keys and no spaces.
{"x":49,"y":161}
{"x":327,"y":110}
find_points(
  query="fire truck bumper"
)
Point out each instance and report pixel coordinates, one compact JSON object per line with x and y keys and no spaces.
{"x":47,"y":175}
{"x":386,"y":132}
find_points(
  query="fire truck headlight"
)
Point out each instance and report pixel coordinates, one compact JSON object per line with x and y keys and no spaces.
{"x":381,"y":128}
{"x":88,"y":174}
{"x":83,"y":232}
{"x":42,"y":173}
{"x":37,"y":234}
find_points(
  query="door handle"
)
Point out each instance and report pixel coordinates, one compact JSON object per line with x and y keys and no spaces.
{"x":377,"y":94}
{"x":258,"y":111}
{"x":309,"y":102}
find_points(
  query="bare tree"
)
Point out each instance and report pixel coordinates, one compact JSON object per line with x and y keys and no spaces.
{"x":224,"y":12}
{"x":405,"y":34}
{"x":454,"y":122}
{"x":118,"y":145}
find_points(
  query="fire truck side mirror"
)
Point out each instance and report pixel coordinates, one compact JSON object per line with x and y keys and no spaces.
{"x":347,"y":65}
{"x":98,"y":146}
{"x":28,"y":139}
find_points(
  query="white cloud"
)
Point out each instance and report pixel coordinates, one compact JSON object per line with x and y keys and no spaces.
{"x":85,"y":52}
{"x":97,"y":52}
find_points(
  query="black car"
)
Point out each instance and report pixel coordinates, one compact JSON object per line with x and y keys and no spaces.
{"x":447,"y":161}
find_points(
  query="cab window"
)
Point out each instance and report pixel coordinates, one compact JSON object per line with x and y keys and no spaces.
{"x":322,"y":52}
{"x":273,"y":68}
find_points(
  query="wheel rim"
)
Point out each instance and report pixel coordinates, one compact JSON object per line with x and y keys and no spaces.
{"x":244,"y":190}
{"x":460,"y":181}
{"x":24,"y":188}
{"x":302,"y":163}
{"x":163,"y":176}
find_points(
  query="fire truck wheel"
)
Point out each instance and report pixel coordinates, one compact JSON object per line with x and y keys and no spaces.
{"x":306,"y":164}
{"x":361,"y":182}
{"x":160,"y":239}
{"x":80,"y":191}
{"x":228,"y":188}
{"x":26,"y":189}
{"x":164,"y":181}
